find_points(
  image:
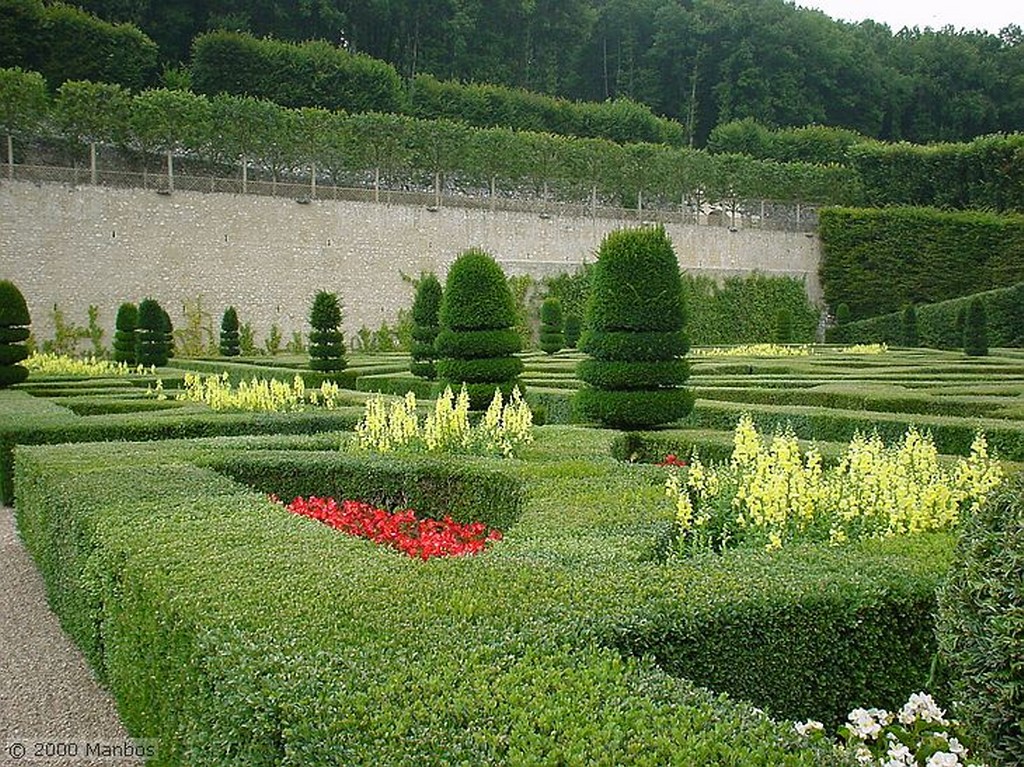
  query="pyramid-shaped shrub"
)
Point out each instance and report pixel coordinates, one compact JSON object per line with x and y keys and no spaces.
{"x":151,"y":345}
{"x":426,"y":309}
{"x":124,"y":333}
{"x":634,"y":336}
{"x":326,"y":342}
{"x":14,"y":322}
{"x":552,"y":339}
{"x":477,"y":341}
{"x":229,"y":346}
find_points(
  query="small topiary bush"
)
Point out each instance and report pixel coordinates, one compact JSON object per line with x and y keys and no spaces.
{"x":124,"y":333}
{"x":552,"y":339}
{"x":151,"y":334}
{"x":326,"y":343}
{"x":572,"y":330}
{"x":634,"y":334}
{"x":980,"y":625}
{"x":14,"y":322}
{"x":426,"y":309}
{"x":976,"y":330}
{"x":477,"y":341}
{"x":229,"y":346}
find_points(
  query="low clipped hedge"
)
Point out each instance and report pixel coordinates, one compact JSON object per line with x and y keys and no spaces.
{"x":952,"y":436}
{"x":234,"y":632}
{"x":28,"y":420}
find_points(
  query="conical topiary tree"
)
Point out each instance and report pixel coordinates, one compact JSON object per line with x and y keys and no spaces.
{"x":976,"y":330}
{"x":124,"y":333}
{"x":229,"y":346}
{"x":169,"y":332}
{"x":552,"y":339}
{"x":634,"y":334}
{"x":326,"y":342}
{"x":573,"y":326}
{"x":14,"y":322}
{"x":477,"y":342}
{"x":151,"y":334}
{"x":426,"y":309}
{"x":908,"y":327}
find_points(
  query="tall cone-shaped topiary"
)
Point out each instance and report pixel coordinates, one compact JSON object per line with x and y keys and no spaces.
{"x":426,"y":309}
{"x":634,"y":334}
{"x":151,"y":334}
{"x":14,"y":322}
{"x":326,"y":342}
{"x":551,"y":337}
{"x":477,"y":342}
{"x":124,"y":333}
{"x":229,"y":346}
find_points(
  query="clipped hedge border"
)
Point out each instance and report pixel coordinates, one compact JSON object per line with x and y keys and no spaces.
{"x":27,"y":420}
{"x":236,"y":633}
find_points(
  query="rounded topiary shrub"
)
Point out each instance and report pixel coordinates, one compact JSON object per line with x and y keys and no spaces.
{"x":426,"y":324}
{"x":634,"y":375}
{"x":980,"y":625}
{"x":229,"y":345}
{"x":552,"y":339}
{"x":14,"y":322}
{"x":124,"y":333}
{"x":326,"y":342}
{"x":477,"y":343}
{"x":151,"y":334}
{"x":573,"y":326}
{"x":976,"y":329}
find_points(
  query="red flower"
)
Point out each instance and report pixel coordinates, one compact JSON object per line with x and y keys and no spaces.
{"x":671,"y":460}
{"x":420,"y":538}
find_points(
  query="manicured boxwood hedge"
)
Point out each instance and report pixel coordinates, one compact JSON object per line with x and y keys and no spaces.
{"x":877,"y":260}
{"x":30,"y":420}
{"x":235,"y":632}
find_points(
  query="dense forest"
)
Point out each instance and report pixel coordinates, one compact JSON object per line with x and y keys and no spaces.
{"x":702,"y":62}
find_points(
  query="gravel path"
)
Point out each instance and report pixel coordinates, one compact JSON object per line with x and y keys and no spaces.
{"x":50,"y":705}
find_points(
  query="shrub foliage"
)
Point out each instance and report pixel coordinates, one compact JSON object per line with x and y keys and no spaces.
{"x":151,"y":344}
{"x":326,"y":343}
{"x":426,"y":310}
{"x":14,"y":322}
{"x":976,"y":330}
{"x":477,"y":343}
{"x":980,"y":621}
{"x":552,"y":337}
{"x":124,"y":333}
{"x":229,"y":346}
{"x":634,"y":334}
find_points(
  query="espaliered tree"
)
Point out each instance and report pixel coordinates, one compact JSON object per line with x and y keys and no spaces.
{"x":229,"y":333}
{"x":326,"y":343}
{"x":124,"y":333}
{"x":634,"y":335}
{"x":477,"y":342}
{"x":426,"y":309}
{"x":14,"y":322}
{"x":151,"y":334}
{"x":976,"y":330}
{"x":552,"y":339}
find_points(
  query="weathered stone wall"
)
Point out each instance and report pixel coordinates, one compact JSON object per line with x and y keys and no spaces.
{"x":76,"y":246}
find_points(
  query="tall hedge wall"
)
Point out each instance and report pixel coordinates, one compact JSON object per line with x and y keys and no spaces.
{"x":64,"y":43}
{"x":877,"y":260}
{"x":311,"y":74}
{"x":937,"y":324}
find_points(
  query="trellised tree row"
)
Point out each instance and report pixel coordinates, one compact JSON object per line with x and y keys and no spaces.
{"x":255,"y":133}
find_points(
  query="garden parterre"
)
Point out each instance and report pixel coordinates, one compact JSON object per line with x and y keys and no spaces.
{"x":238,"y":634}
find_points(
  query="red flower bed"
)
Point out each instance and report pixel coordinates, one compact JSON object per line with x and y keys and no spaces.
{"x":672,"y":460}
{"x":422,"y":538}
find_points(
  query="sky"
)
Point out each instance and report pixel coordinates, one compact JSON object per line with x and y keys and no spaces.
{"x":988,"y":15}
